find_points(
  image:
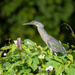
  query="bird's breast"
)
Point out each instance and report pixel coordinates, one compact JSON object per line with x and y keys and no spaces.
{"x":42,"y":36}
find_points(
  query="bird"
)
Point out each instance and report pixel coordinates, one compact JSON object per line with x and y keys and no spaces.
{"x":51,"y":42}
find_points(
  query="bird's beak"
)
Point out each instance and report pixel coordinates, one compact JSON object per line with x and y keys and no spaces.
{"x":27,"y":24}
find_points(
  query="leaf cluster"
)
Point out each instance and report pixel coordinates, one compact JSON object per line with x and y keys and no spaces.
{"x":13,"y":63}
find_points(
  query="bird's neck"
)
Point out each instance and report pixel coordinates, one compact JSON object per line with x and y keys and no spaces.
{"x":43,"y":33}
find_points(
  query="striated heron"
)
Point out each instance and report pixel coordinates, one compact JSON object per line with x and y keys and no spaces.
{"x":51,"y":42}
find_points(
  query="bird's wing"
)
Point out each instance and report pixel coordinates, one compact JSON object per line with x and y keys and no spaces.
{"x":55,"y":45}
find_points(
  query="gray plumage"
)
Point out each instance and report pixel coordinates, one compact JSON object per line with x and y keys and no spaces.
{"x":51,"y":42}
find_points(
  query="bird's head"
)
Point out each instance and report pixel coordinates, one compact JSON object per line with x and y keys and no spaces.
{"x":34,"y":22}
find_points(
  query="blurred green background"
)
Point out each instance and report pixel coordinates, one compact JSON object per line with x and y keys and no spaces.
{"x":52,"y":13}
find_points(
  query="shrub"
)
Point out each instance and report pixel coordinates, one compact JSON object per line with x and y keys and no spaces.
{"x":36,"y":60}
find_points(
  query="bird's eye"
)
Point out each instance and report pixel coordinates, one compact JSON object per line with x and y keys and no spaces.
{"x":32,"y":21}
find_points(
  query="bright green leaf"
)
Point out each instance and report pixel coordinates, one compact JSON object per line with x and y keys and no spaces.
{"x":14,"y":47}
{"x":70,"y":57}
{"x":6,"y":47}
{"x":60,"y":69}
{"x":26,"y":49}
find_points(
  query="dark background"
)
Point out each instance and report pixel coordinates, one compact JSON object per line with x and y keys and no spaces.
{"x":52,"y":13}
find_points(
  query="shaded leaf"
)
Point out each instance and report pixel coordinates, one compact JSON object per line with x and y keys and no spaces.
{"x":58,"y":59}
{"x":70,"y":71}
{"x":66,"y":46}
{"x":34,"y":54}
{"x":35,"y":63}
{"x":6,"y":47}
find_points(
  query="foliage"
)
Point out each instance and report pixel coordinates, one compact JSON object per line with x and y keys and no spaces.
{"x":49,"y":12}
{"x":36,"y":61}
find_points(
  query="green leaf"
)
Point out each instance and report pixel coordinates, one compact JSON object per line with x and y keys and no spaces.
{"x":1,"y":70}
{"x":34,"y":54}
{"x":58,"y":59}
{"x":29,"y":61}
{"x":49,"y":52}
{"x":1,"y":53}
{"x":25,"y":71}
{"x":18,"y":63}
{"x":11,"y":73}
{"x":60,"y":69}
{"x":10,"y":67}
{"x":9,"y":54}
{"x":13,"y":65}
{"x":42,"y":73}
{"x":27,"y":58}
{"x":34,"y":66}
{"x":70,"y":57}
{"x":73,"y":64}
{"x":27,"y":50}
{"x":23,"y":54}
{"x":50,"y":63}
{"x":35,"y":63}
{"x":66,"y":46}
{"x":6,"y":64}
{"x":17,"y":52}
{"x":63,"y":58}
{"x":14,"y":47}
{"x":48,"y":57}
{"x":66,"y":65}
{"x":56,"y":66}
{"x":70,"y":71}
{"x":29,"y":41}
{"x":6,"y":47}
